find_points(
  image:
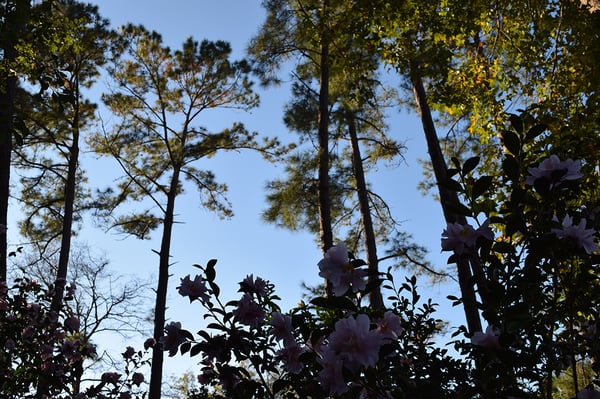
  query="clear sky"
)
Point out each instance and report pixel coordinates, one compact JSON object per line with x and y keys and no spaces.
{"x":244,"y":244}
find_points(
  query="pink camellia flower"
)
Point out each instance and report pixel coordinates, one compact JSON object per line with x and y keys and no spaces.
{"x":206,"y":375}
{"x":46,"y":352}
{"x":336,"y":267}
{"x":149,"y":343}
{"x":487,"y":340}
{"x":72,"y":323}
{"x":249,"y":312}
{"x":390,"y":326}
{"x":588,"y":393}
{"x":282,"y":327}
{"x":256,"y":286}
{"x":331,"y":377}
{"x":110,"y":378}
{"x":457,"y":237}
{"x":554,"y":171}
{"x":194,"y":289}
{"x":173,"y":338}
{"x":71,"y":289}
{"x":137,"y":378}
{"x":355,"y":343}
{"x":290,"y":356}
{"x":577,"y":234}
{"x":129,"y":352}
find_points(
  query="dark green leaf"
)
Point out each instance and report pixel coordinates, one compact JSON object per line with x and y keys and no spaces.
{"x":185,"y":347}
{"x":516,"y":123}
{"x":456,"y":162}
{"x":195,"y":349}
{"x":470,"y":164}
{"x":452,"y":172}
{"x":215,"y":288}
{"x":511,"y":141}
{"x":481,"y":186}
{"x":216,"y":326}
{"x":452,"y":185}
{"x":502,"y":248}
{"x":510,"y":166}
{"x":210,"y":270}
{"x":334,"y":302}
{"x":535,"y":131}
{"x":458,"y":209}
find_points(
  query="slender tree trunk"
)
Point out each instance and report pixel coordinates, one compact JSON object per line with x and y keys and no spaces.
{"x":6,"y":113}
{"x":161,"y":291}
{"x":375,"y":297}
{"x":446,"y":196}
{"x":14,"y":24}
{"x":67,"y":224}
{"x":323,"y":192}
{"x":324,"y":158}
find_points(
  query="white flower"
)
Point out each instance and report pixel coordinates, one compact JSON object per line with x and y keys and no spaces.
{"x":577,"y":234}
{"x":390,"y":326}
{"x":281,"y":327}
{"x":355,"y":342}
{"x":555,"y":171}
{"x":488,"y":340}
{"x":457,"y":236}
{"x":336,"y":267}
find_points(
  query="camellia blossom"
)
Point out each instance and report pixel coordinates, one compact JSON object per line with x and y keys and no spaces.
{"x":457,"y":237}
{"x":577,"y":234}
{"x":194,"y":289}
{"x":489,"y":339}
{"x":110,"y":378}
{"x":256,"y":286}
{"x":331,"y":377}
{"x":355,"y":343}
{"x":72,"y":323}
{"x":149,"y":343}
{"x":390,"y":326}
{"x":282,"y":327}
{"x":137,"y":379}
{"x":129,"y":352}
{"x":290,"y":356}
{"x":249,"y":312}
{"x":554,"y":171}
{"x":173,"y":338}
{"x":336,"y":267}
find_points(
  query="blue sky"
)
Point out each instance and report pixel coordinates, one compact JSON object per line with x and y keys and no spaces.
{"x":244,"y":244}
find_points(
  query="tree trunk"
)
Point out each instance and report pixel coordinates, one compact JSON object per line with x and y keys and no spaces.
{"x":6,"y":114}
{"x":375,"y":297}
{"x":446,"y":196}
{"x":323,"y":192}
{"x":161,"y":290}
{"x":67,"y":224}
{"x":14,"y":24}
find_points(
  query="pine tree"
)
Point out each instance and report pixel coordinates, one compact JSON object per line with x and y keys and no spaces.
{"x":159,"y":97}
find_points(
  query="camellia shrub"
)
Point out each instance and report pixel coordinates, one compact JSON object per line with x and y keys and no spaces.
{"x":42,"y":354}
{"x":39,"y":349}
{"x":336,"y":346}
